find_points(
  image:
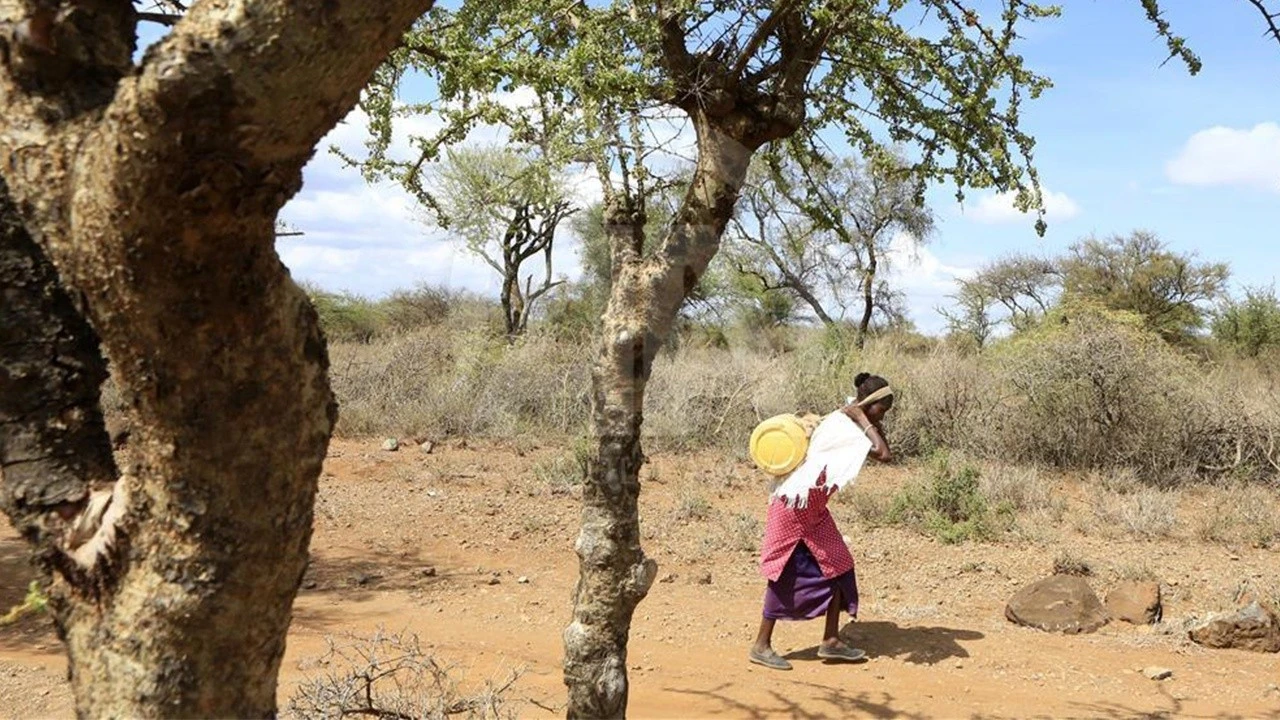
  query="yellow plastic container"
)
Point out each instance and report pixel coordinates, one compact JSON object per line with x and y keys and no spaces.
{"x":779,"y":444}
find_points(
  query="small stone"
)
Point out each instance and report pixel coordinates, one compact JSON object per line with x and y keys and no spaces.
{"x":361,"y":579}
{"x":494,"y":580}
{"x":522,"y":580}
{"x":704,"y":578}
{"x":668,"y":578}
{"x":309,"y":585}
{"x":427,"y":447}
{"x":428,"y":571}
{"x":1157,"y":673}
{"x":959,"y":665}
{"x":391,"y":444}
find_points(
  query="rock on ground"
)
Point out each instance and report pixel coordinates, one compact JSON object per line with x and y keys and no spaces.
{"x":1135,"y":602}
{"x":1060,"y":603}
{"x":1253,"y":627}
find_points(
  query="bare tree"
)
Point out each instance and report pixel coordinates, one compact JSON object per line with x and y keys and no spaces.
{"x":783,"y":250}
{"x":864,"y":205}
{"x":821,"y":229}
{"x":971,"y":317}
{"x":1025,"y":286}
{"x":506,"y":207}
{"x":137,"y":222}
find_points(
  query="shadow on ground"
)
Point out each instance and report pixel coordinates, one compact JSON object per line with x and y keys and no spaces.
{"x":912,"y":644}
{"x":819,"y":701}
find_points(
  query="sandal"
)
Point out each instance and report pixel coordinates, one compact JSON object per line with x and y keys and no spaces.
{"x":842,"y":652}
{"x":769,"y":659}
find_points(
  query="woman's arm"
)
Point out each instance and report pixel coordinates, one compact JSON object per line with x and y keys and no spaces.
{"x":879,"y":448}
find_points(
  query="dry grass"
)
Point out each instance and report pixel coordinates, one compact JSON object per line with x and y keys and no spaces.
{"x":1068,"y":562}
{"x":1148,"y":513}
{"x":1244,"y":514}
{"x":1093,"y":394}
{"x":391,"y":676}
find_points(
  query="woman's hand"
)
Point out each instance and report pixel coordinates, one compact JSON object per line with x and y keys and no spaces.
{"x":857,"y":415}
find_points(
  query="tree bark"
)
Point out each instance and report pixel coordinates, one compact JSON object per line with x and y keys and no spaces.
{"x":53,"y":443}
{"x":154,"y":192}
{"x":646,"y":294}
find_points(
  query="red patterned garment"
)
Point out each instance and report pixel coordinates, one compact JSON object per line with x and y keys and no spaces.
{"x":784,"y":527}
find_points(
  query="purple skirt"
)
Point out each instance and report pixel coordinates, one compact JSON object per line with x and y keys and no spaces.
{"x":802,"y":593}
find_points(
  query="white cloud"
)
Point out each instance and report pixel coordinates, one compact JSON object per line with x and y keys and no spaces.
{"x":1225,"y":156}
{"x":999,"y":208}
{"x":370,"y":239}
{"x":924,"y":278}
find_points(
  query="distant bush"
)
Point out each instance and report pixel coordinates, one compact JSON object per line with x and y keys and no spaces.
{"x":1250,"y":325}
{"x":1091,"y":388}
{"x":1084,"y":389}
{"x":345,"y":317}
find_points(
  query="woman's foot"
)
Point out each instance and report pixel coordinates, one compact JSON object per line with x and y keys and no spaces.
{"x":837,"y":650}
{"x":768,"y":658}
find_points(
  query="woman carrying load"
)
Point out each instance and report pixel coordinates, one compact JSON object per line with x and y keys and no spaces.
{"x":804,"y":557}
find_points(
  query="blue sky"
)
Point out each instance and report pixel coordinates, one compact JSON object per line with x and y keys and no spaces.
{"x":1122,"y":144}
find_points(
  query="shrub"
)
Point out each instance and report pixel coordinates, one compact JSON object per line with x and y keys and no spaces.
{"x":744,"y":533}
{"x":1148,"y":513}
{"x":949,"y":504}
{"x":1068,"y":563}
{"x":1018,"y":487}
{"x":1085,"y":389}
{"x":408,"y":310}
{"x":1241,"y":513}
{"x":346,"y":317}
{"x":1250,"y":325}
{"x":391,"y":676}
{"x":470,"y":382}
{"x":692,"y":506}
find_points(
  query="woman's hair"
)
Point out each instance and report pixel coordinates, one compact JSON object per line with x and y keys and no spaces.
{"x":866,"y":383}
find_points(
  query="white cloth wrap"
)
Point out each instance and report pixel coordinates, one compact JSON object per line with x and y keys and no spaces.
{"x":838,"y":446}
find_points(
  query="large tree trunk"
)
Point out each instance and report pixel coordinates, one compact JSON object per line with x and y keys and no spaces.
{"x":646,"y":294}
{"x":154,"y":192}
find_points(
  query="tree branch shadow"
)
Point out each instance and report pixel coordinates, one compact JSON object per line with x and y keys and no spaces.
{"x":820,"y":702}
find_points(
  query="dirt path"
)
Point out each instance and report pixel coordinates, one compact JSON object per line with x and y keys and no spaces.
{"x":931,"y":616}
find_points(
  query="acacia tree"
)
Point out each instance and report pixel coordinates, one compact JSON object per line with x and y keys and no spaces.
{"x":970,"y":318}
{"x":780,"y":250}
{"x":1171,"y":291}
{"x":823,"y":226}
{"x":742,"y":75}
{"x":1021,"y":287}
{"x":506,"y":207}
{"x":137,"y":222}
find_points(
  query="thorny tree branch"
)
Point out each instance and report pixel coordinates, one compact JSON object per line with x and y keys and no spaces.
{"x":1272,"y":19}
